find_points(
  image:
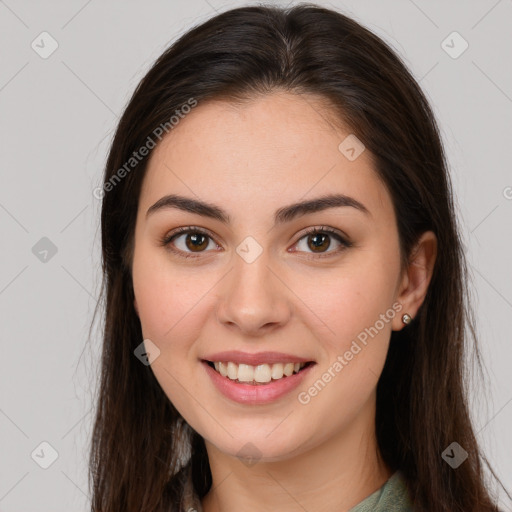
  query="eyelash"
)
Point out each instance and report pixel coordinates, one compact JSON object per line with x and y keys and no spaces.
{"x":167,"y":239}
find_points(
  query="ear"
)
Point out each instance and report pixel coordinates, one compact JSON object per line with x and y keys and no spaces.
{"x":416,"y":277}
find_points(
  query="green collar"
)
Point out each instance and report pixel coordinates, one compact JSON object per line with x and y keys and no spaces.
{"x":393,"y":496}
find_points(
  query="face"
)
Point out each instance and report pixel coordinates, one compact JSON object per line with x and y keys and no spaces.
{"x":251,"y":279}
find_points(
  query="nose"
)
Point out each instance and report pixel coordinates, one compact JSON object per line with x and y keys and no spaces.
{"x":253,"y":299}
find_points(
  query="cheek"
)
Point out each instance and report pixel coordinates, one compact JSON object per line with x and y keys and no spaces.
{"x":169,"y":300}
{"x":354,"y":304}
{"x":347,"y":301}
{"x":170,"y":306}
{"x":357,"y":309}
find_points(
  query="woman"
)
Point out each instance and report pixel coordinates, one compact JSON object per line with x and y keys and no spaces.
{"x":284,"y":281}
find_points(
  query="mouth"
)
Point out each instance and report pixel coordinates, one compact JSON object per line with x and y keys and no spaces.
{"x":259,"y":375}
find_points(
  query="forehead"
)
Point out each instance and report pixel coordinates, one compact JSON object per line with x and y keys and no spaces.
{"x":269,"y":151}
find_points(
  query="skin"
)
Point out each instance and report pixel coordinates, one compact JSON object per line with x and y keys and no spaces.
{"x":251,"y":160}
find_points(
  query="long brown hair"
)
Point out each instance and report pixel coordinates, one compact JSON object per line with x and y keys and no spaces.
{"x":136,"y":458}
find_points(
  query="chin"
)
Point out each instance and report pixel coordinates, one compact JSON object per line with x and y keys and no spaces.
{"x":259,"y":448}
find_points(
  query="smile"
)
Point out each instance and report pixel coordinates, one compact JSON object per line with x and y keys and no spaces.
{"x":240,"y":382}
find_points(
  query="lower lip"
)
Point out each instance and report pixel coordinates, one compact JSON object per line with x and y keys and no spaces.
{"x":256,"y":394}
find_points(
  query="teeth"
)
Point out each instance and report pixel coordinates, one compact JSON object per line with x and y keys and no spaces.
{"x":223,"y":369}
{"x":288,"y":369}
{"x":245,"y":373}
{"x":232,"y":371}
{"x":277,"y":371}
{"x":262,"y":373}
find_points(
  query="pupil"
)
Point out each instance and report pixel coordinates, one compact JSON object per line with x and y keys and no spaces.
{"x":194,"y":238}
{"x":317,"y":245}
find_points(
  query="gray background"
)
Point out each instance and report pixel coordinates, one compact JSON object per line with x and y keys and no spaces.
{"x":57,"y":119}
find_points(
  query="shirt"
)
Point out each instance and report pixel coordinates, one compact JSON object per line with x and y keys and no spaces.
{"x":393,"y":496}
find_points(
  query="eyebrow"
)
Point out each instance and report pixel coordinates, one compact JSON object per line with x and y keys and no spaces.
{"x":282,"y":215}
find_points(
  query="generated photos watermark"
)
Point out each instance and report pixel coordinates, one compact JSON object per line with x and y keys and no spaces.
{"x":143,"y":151}
{"x":304,"y":397}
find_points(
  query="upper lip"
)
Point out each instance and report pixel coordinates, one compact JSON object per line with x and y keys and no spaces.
{"x":239,"y":357}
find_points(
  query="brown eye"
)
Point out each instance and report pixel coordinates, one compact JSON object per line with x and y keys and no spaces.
{"x":319,"y":240}
{"x":185,"y":241}
{"x":195,"y":241}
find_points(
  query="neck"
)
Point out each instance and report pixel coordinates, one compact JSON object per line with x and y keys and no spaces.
{"x":338,"y":474}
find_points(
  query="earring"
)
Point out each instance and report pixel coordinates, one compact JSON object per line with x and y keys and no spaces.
{"x":406,"y":319}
